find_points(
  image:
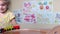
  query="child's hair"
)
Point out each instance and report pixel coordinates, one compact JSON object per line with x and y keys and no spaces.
{"x":7,"y":2}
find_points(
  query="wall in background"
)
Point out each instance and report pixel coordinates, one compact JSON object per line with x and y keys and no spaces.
{"x":17,"y":4}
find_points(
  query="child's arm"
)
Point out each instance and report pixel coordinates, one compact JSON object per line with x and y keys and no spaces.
{"x":13,"y":22}
{"x":15,"y":25}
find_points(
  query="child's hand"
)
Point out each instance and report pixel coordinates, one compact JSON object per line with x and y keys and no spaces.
{"x":13,"y":22}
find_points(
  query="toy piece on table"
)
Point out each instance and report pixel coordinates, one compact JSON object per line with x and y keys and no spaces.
{"x":16,"y":27}
{"x":2,"y":30}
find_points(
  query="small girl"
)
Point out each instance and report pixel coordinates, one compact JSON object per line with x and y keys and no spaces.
{"x":6,"y":16}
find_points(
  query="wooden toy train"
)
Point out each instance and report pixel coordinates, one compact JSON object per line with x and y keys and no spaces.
{"x":9,"y":28}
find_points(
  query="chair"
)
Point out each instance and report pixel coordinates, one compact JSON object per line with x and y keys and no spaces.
{"x":55,"y":30}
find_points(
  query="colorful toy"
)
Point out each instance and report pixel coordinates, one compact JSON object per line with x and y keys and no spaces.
{"x":2,"y":30}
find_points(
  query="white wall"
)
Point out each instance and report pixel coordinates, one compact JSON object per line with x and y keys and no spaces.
{"x":17,"y":4}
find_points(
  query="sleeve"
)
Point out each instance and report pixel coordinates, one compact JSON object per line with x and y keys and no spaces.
{"x":11,"y":16}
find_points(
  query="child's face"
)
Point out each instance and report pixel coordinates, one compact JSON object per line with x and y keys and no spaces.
{"x":3,"y":6}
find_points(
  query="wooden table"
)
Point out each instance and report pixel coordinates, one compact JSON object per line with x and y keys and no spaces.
{"x":23,"y":31}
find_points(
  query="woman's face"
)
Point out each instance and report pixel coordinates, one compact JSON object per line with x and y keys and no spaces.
{"x":3,"y":6}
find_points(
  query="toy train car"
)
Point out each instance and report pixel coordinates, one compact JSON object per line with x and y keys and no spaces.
{"x":9,"y":28}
